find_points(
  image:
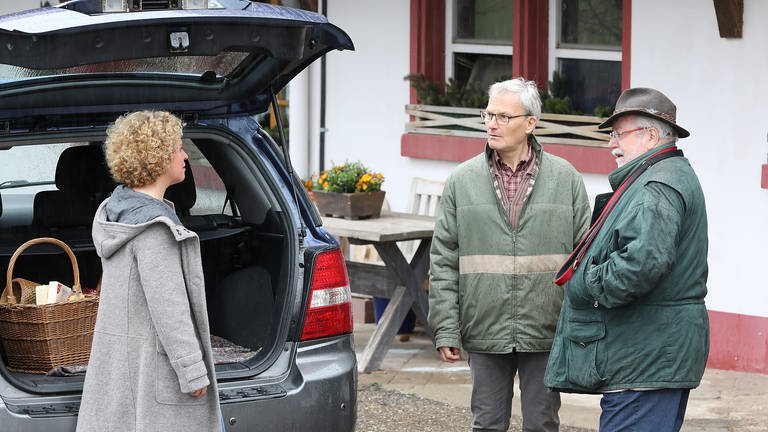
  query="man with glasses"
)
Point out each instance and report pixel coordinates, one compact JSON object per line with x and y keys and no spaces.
{"x":508,"y":218}
{"x":634,"y":326}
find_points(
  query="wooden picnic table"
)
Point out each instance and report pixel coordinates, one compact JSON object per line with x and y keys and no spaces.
{"x":398,"y":279}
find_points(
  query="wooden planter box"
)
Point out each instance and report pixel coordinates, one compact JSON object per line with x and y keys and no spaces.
{"x":361,"y":205}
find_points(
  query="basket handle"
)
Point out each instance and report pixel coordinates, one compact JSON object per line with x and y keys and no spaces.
{"x":40,"y":240}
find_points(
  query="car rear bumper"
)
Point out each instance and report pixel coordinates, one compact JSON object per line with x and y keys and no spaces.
{"x":320,"y":393}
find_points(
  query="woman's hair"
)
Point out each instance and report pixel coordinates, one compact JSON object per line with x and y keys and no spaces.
{"x":526,"y":90}
{"x":140,"y":146}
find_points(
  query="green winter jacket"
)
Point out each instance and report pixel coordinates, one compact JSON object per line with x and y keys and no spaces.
{"x":491,"y":288}
{"x":633,"y":315}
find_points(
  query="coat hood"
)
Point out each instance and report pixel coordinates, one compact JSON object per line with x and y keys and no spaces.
{"x":136,"y":213}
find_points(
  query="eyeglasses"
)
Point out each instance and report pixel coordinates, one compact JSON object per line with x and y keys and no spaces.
{"x":501,"y":119}
{"x":617,"y":135}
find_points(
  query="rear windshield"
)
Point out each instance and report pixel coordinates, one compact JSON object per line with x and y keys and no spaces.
{"x":222,"y":65}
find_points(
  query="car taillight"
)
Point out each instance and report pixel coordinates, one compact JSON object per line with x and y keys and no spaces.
{"x":329,"y":311}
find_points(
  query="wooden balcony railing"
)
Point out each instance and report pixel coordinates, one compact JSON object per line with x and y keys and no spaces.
{"x":465,"y":122}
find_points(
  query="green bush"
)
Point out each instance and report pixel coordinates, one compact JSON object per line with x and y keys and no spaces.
{"x":453,"y":93}
{"x":603,"y":110}
{"x":456,"y":94}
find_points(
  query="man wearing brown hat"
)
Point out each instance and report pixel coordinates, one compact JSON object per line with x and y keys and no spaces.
{"x":634,"y":325}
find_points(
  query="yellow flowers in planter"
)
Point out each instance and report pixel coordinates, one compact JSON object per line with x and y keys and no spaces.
{"x":349,"y":177}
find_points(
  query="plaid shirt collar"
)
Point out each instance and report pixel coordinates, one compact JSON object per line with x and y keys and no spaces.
{"x":521,"y":166}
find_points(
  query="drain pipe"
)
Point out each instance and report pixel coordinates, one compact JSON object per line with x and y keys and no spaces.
{"x":323,"y":130}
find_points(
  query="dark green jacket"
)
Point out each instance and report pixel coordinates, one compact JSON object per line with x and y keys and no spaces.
{"x":491,"y":286}
{"x":633,"y":315}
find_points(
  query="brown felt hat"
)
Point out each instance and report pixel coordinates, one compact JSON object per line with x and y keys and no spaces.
{"x":646,"y":102}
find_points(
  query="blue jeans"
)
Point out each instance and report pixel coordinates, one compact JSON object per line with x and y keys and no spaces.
{"x":643,"y":411}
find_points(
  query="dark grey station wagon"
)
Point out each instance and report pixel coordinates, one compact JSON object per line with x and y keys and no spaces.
{"x":277,"y":287}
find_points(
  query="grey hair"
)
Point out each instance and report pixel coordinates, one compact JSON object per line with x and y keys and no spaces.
{"x":665,"y":130}
{"x":526,"y":90}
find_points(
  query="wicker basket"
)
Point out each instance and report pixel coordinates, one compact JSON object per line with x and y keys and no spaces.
{"x":37,"y":338}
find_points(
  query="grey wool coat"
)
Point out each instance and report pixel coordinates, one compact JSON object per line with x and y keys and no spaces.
{"x":151,"y":344}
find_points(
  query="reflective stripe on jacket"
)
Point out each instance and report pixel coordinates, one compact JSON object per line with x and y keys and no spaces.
{"x":491,"y":287}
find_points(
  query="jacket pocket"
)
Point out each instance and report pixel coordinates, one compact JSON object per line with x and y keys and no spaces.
{"x":582,"y":350}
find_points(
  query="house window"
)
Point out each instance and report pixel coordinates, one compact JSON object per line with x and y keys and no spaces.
{"x":585,"y":52}
{"x":478,"y":41}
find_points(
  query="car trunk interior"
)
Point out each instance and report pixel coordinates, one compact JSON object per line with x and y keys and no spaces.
{"x":245,"y":242}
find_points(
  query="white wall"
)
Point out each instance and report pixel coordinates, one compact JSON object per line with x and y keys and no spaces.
{"x":718,"y":85}
{"x":720,"y":89}
{"x":367,"y":95}
{"x":7,"y":6}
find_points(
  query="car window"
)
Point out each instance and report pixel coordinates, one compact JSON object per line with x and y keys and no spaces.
{"x":210,"y":189}
{"x":25,"y":171}
{"x":22,"y":165}
{"x":221,"y":64}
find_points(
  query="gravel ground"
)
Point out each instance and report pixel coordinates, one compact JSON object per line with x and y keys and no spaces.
{"x":382,"y":410}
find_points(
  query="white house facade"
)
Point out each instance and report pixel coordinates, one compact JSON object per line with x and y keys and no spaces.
{"x":717,"y":83}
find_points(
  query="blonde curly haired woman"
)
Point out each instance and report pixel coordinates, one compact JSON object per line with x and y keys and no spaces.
{"x":151,"y":367}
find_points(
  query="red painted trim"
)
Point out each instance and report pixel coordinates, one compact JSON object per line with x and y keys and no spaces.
{"x":594,"y":160}
{"x":518,"y":11}
{"x":427,"y":42}
{"x":530,"y":41}
{"x":414,"y":45}
{"x":434,"y":39}
{"x":738,"y":342}
{"x":626,"y":43}
{"x":764,"y":177}
{"x":437,"y":147}
{"x":458,"y":149}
